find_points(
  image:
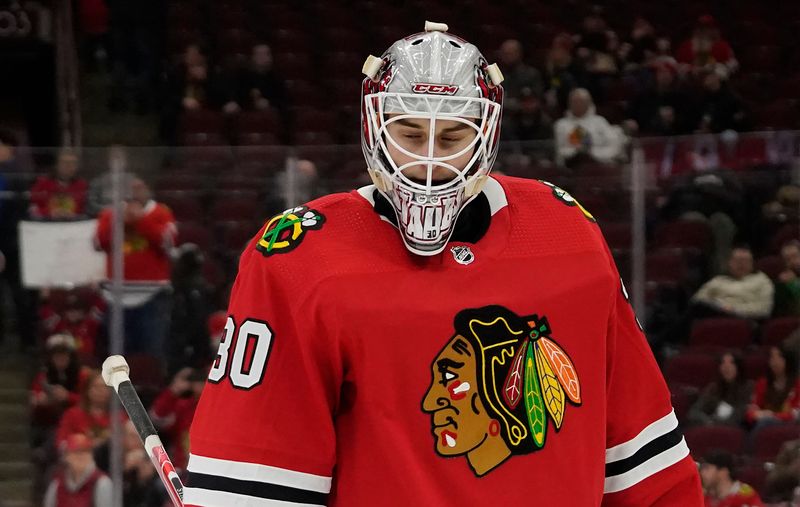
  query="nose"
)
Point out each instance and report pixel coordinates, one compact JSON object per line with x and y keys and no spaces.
{"x":429,"y":403}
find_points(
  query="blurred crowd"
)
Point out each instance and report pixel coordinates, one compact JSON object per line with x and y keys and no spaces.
{"x":725,"y":256}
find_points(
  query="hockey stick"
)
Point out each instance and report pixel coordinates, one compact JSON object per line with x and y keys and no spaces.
{"x":115,"y":374}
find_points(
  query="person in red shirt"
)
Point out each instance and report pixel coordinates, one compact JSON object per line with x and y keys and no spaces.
{"x":78,"y":313}
{"x":707,"y":50}
{"x":62,"y":195}
{"x":150,"y":233}
{"x":721,"y":487}
{"x":59,"y":383}
{"x":173,"y":410}
{"x":776,"y":397}
{"x":80,"y":483}
{"x":90,"y":416}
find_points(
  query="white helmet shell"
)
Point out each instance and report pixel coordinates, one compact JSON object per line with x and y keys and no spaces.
{"x":430,"y":76}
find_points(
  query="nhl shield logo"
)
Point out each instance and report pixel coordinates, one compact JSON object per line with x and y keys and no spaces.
{"x":463,"y":255}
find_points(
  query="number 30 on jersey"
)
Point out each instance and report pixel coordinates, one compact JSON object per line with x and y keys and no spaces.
{"x":251,"y":347}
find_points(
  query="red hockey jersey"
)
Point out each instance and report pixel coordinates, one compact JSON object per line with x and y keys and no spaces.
{"x":508,"y":371}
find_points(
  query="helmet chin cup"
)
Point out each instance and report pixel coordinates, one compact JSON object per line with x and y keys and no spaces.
{"x":380,"y":181}
{"x":475,"y":185}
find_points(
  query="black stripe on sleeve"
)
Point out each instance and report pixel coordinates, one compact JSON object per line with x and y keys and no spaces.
{"x":256,"y":489}
{"x":649,"y":450}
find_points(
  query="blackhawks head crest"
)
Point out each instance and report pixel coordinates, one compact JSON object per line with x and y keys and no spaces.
{"x":284,"y":232}
{"x":498,"y":385}
{"x":565,"y":197}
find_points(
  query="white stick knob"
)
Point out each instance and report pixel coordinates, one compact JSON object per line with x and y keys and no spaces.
{"x":115,"y":371}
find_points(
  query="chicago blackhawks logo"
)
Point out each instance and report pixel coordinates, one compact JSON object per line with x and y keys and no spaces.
{"x":284,"y":232}
{"x":564,"y":196}
{"x":497,"y":385}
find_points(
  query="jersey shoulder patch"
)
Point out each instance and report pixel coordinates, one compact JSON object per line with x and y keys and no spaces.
{"x":285,"y":231}
{"x":565,"y":197}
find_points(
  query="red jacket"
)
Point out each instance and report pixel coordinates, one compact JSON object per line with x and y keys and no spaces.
{"x":50,"y":195}
{"x":742,"y":495}
{"x":83,"y":497}
{"x":173,"y":416}
{"x":78,"y":420}
{"x":147,"y":242}
{"x":785,"y":413}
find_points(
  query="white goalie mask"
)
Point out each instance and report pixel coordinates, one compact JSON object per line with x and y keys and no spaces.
{"x":420,"y":80}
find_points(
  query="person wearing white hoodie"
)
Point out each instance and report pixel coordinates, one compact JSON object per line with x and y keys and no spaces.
{"x":584,"y":133}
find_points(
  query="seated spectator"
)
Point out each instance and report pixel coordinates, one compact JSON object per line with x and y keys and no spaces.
{"x":62,"y":195}
{"x":193,"y":87}
{"x":59,"y":383}
{"x":191,"y":305}
{"x":718,"y":108}
{"x":141,"y":485}
{"x":787,"y":290}
{"x":518,"y":76}
{"x":172,"y":412}
{"x":642,"y":45}
{"x":80,"y":484}
{"x":776,"y":397}
{"x":289,"y":190}
{"x":596,"y":46}
{"x":530,"y":122}
{"x":562,"y":74}
{"x":78,"y":313}
{"x":660,"y":110}
{"x":742,"y":292}
{"x":718,"y":474}
{"x":583,"y":134}
{"x":259,"y":86}
{"x":783,"y":481}
{"x":90,"y":416}
{"x":706,"y":50}
{"x":150,"y":232}
{"x":725,"y":400}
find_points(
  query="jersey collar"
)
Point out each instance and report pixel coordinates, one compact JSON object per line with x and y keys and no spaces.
{"x":473,"y":222}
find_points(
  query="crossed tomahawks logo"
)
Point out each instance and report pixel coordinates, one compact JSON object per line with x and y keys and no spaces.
{"x":284,"y":232}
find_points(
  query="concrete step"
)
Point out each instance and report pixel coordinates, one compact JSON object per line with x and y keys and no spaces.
{"x":12,"y":432}
{"x":20,"y":450}
{"x":16,"y":470}
{"x":16,"y":490}
{"x":14,"y":395}
{"x":13,"y":412}
{"x":11,"y":379}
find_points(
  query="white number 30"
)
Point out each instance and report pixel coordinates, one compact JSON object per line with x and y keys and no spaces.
{"x":250,"y":354}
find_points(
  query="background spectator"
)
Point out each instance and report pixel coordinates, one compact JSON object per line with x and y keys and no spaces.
{"x":77,"y":313}
{"x":776,"y":397}
{"x":661,"y":109}
{"x":742,"y":292}
{"x":62,"y":195}
{"x":725,"y":400}
{"x":90,"y":416}
{"x":718,"y":475}
{"x":641,"y":47}
{"x":518,"y":76}
{"x":784,"y":479}
{"x":191,"y":306}
{"x":150,"y":233}
{"x":562,"y":74}
{"x":80,"y":484}
{"x":582,"y":134}
{"x":787,"y":289}
{"x":57,"y":386}
{"x":718,"y":108}
{"x":706,"y":50}
{"x":173,"y":410}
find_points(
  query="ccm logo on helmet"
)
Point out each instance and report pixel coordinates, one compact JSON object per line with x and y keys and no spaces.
{"x":435,"y":89}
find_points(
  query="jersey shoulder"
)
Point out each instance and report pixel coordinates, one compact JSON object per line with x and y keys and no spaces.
{"x":335,"y":234}
{"x":549,"y":220}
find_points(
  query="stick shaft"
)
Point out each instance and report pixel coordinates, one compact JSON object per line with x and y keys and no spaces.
{"x":152,"y":443}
